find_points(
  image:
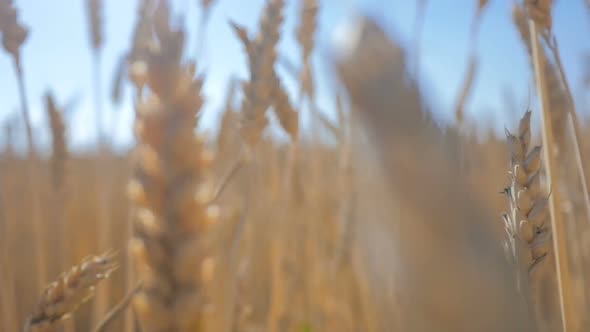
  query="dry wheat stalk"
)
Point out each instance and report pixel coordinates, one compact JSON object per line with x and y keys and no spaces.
{"x":74,"y":287}
{"x":568,"y":315}
{"x":172,"y":216}
{"x":117,"y":310}
{"x":527,"y":223}
{"x":261,"y":51}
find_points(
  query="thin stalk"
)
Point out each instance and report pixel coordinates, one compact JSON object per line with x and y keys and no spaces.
{"x":558,"y":227}
{"x":117,"y":310}
{"x":229,"y":174}
{"x":101,"y":301}
{"x":130,"y":275}
{"x":33,"y":182}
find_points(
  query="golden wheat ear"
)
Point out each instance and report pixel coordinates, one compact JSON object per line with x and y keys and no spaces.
{"x":74,"y":287}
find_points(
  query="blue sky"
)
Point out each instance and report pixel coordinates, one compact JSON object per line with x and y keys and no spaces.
{"x":57,"y":55}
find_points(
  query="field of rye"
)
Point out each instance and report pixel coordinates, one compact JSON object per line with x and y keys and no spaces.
{"x":376,"y":219}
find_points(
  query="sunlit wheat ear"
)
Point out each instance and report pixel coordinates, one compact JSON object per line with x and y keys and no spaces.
{"x":262,"y":54}
{"x":172,"y":216}
{"x":62,"y":297}
{"x":527,"y":224}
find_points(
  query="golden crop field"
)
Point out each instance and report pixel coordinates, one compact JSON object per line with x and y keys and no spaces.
{"x":378,"y":218}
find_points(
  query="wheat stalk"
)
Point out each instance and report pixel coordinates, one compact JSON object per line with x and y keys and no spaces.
{"x":117,"y":310}
{"x":559,"y":236}
{"x":172,"y":215}
{"x":74,"y":287}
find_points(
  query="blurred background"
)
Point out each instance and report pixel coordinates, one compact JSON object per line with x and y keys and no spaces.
{"x":295,"y":165}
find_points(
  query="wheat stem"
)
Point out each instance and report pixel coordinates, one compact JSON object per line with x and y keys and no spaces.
{"x":557,"y":225}
{"x":117,"y":310}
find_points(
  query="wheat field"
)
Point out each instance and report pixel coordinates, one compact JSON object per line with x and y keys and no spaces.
{"x":378,"y":218}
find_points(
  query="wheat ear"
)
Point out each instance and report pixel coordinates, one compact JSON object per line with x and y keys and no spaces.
{"x":63,"y":296}
{"x":527,"y":226}
{"x":172,"y":216}
{"x":262,"y":54}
